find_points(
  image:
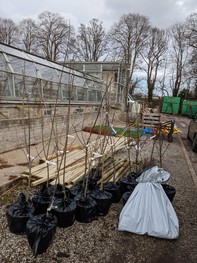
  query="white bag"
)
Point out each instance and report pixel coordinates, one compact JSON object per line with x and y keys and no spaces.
{"x":148,"y":209}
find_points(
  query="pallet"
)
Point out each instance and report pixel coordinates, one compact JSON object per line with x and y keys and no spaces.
{"x":151,"y":119}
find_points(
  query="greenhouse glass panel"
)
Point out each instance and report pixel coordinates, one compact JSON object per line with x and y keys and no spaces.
{"x":51,"y":90}
{"x":14,"y":52}
{"x":79,"y":81}
{"x":99,"y":85}
{"x":56,"y":91}
{"x":70,"y":94}
{"x":36,"y":77}
{"x":99,"y":95}
{"x":81,"y":94}
{"x":48,"y":73}
{"x":6,"y":87}
{"x":64,"y":77}
{"x":34,"y":87}
{"x":19,"y":86}
{"x":21,"y":66}
{"x":92,"y":95}
{"x":47,"y":89}
{"x":64,"y":91}
{"x":88,"y":83}
{"x":3,"y":64}
{"x":39,"y":60}
{"x":27,"y":87}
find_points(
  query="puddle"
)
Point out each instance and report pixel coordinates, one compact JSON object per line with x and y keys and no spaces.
{"x":2,"y":166}
{"x":23,"y":164}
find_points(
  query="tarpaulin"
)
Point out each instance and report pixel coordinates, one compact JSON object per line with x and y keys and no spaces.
{"x":148,"y":210}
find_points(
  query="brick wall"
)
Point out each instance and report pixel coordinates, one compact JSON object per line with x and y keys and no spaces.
{"x":14,"y":128}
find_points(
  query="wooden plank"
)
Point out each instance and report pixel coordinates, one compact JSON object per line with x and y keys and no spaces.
{"x":53,"y":169}
{"x":73,"y":157}
{"x":69,"y":178}
{"x":51,"y":177}
{"x":70,"y":148}
{"x":151,"y":119}
{"x":121,"y":172}
{"x":76,"y":174}
{"x":38,"y":168}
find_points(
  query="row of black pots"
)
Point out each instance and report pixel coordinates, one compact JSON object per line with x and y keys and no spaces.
{"x":168,"y":189}
{"x":68,"y":202}
{"x":39,"y":222}
{"x":66,"y":205}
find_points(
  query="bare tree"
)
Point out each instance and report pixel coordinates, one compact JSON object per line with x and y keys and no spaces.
{"x":91,"y":44}
{"x":179,"y":57}
{"x":163,"y":78}
{"x":54,"y":35}
{"x":152,"y":56}
{"x":8,"y":32}
{"x":191,"y":30}
{"x":27,"y":33}
{"x":191,"y":35}
{"x":128,"y":38}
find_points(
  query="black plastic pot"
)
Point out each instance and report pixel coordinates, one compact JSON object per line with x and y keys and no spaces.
{"x":40,"y":232}
{"x":59,"y":191}
{"x":64,"y":210}
{"x":104,"y":201}
{"x":170,"y":191}
{"x":126,"y":196}
{"x":87,"y":210}
{"x":76,"y":190}
{"x":114,"y":190}
{"x":127,"y":183}
{"x":18,"y":214}
{"x":94,"y":176}
{"x":42,"y":199}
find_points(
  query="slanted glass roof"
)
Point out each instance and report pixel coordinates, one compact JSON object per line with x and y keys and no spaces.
{"x":17,"y":56}
{"x":19,"y":69}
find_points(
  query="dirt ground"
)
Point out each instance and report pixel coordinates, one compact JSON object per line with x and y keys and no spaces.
{"x":13,"y":163}
{"x":100,"y":241}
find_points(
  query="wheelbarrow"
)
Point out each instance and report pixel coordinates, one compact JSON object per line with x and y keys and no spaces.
{"x":166,"y":127}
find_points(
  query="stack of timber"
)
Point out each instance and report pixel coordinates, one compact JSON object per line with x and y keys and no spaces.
{"x":69,"y":171}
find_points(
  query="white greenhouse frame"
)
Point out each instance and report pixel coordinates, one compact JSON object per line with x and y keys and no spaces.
{"x":42,"y":79}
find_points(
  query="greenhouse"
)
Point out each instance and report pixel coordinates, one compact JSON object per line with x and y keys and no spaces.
{"x":23,"y":75}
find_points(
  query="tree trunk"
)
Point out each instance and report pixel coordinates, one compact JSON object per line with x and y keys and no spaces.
{"x":150,"y":91}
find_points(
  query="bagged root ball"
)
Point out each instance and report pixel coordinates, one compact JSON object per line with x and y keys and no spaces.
{"x":59,"y":191}
{"x":104,"y":201}
{"x":40,"y":232}
{"x":64,"y":210}
{"x":94,"y":176}
{"x":114,"y":189}
{"x":18,"y":214}
{"x":76,"y":189}
{"x":86,"y":210}
{"x":127,"y":182}
{"x":42,"y":199}
{"x":170,"y":191}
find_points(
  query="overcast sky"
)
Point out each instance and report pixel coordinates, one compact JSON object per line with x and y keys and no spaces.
{"x":162,"y":13}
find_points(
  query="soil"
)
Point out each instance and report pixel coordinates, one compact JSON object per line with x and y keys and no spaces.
{"x":100,"y":241}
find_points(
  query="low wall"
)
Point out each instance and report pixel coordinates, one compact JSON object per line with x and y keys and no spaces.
{"x":20,"y":122}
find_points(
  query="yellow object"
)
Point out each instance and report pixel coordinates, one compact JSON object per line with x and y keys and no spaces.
{"x":166,"y":130}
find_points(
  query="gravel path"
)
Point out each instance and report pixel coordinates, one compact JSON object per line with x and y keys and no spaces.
{"x":101,"y":242}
